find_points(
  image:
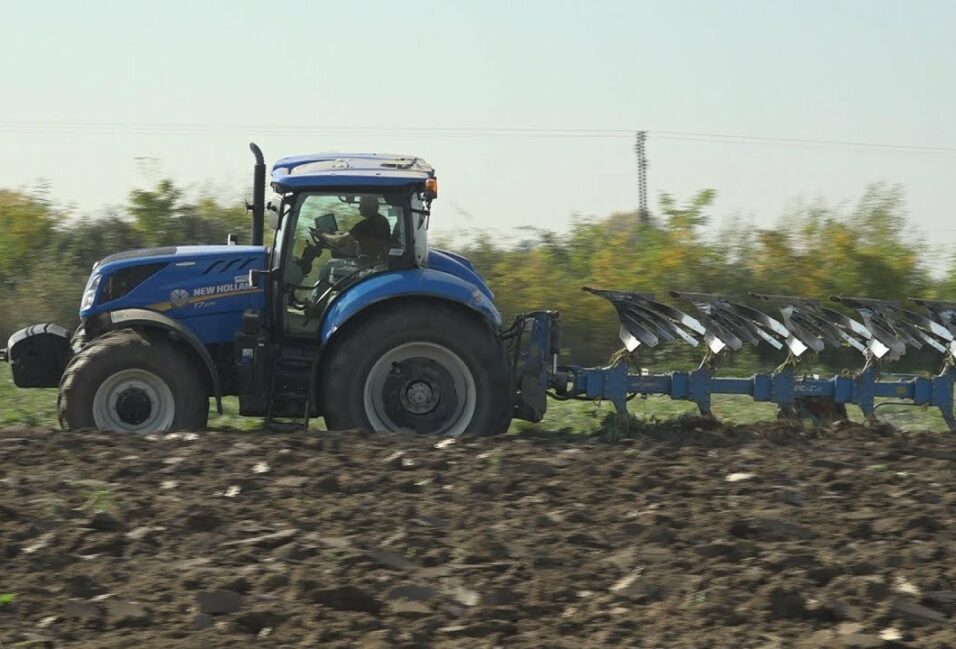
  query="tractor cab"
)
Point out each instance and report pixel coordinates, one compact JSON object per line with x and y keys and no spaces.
{"x":365,"y":324}
{"x":339,"y":219}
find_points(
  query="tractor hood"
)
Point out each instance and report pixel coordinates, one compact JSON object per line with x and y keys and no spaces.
{"x":188,"y":283}
{"x":172,"y":253}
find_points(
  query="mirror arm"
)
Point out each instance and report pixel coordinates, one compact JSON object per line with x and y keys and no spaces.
{"x":255,"y":274}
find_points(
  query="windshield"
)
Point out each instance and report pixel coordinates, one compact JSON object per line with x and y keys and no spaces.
{"x":375,"y":223}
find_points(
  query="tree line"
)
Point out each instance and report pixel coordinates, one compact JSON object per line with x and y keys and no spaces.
{"x":815,"y":251}
{"x":48,"y":252}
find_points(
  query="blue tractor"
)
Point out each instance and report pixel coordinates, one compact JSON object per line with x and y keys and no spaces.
{"x":347,"y":314}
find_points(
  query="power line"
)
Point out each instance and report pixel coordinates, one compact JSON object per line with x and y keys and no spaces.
{"x":189,"y":128}
{"x":198,"y":128}
{"x":782,"y":140}
{"x":832,"y":147}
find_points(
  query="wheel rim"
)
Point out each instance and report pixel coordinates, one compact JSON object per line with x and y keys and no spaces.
{"x":134,"y":401}
{"x":421,"y":387}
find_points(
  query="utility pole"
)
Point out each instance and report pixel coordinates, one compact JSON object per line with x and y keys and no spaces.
{"x":642,"y":213}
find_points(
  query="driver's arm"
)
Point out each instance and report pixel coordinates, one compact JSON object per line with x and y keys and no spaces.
{"x":342,"y":241}
{"x":335,"y":239}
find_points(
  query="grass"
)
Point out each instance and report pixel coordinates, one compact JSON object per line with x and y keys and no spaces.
{"x":96,"y":495}
{"x":37,"y":408}
{"x":25,"y":407}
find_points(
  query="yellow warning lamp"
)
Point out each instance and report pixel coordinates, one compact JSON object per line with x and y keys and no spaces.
{"x":431,"y":189}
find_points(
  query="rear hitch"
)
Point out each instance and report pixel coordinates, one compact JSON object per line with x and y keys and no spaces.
{"x":533,"y":348}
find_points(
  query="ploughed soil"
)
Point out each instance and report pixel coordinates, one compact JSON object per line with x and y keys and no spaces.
{"x":684,"y":536}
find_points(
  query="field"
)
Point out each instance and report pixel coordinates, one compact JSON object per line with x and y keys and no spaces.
{"x":38,"y":408}
{"x":677,"y":533}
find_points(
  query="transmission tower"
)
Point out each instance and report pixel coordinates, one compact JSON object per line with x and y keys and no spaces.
{"x":642,"y":212}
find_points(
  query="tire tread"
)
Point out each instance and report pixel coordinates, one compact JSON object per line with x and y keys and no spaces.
{"x":119,"y":341}
{"x":340,"y":390}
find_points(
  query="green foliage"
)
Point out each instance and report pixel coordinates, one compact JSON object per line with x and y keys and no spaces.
{"x":816,"y":251}
{"x":26,"y":225}
{"x":160,"y":217}
{"x":47,"y":252}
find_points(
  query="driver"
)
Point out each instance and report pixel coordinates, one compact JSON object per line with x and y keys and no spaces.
{"x":370,"y":236}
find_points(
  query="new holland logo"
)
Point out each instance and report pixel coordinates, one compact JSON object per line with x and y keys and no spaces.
{"x":179,"y":298}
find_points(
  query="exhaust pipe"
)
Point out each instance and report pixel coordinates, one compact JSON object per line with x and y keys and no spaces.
{"x":258,"y":206}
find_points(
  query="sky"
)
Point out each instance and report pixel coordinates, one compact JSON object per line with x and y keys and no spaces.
{"x":526,"y":109}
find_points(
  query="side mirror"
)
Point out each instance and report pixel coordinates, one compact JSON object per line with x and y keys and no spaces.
{"x":274,"y":211}
{"x":232,"y":239}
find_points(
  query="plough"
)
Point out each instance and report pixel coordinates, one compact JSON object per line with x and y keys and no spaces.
{"x":882,"y":332}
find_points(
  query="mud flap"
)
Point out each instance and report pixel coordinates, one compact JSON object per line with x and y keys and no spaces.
{"x":38,"y":354}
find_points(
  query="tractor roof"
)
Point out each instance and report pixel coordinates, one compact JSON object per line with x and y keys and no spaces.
{"x":344,"y":169}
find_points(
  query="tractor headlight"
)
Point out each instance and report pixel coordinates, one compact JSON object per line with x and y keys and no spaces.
{"x":89,"y":295}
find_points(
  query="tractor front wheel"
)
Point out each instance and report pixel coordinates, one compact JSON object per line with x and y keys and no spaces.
{"x":422,"y":367}
{"x":126,"y":381}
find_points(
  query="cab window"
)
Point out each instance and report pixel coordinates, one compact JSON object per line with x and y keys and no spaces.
{"x":337,"y":238}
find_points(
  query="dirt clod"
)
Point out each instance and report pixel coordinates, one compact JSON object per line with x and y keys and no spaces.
{"x":216,"y":602}
{"x":105,"y":522}
{"x":346,"y":598}
{"x":786,"y":603}
{"x":122,"y":613}
{"x":202,"y":621}
{"x":916,"y":613}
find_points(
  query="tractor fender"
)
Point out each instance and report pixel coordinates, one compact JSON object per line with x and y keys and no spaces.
{"x":418,"y":282}
{"x":134,"y":318}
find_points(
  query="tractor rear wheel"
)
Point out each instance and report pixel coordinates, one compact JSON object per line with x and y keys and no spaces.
{"x":423,"y":367}
{"x":126,"y":381}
